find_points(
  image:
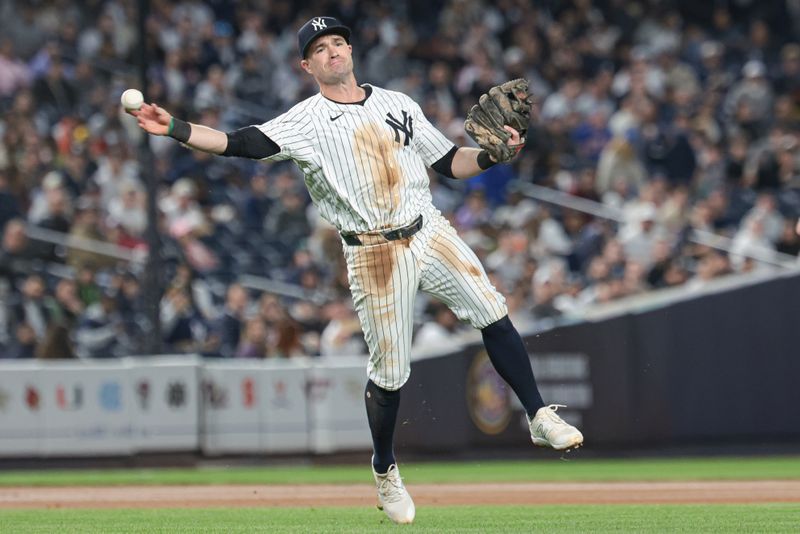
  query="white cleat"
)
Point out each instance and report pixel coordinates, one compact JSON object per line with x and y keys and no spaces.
{"x":549,"y":430}
{"x":393,"y":498}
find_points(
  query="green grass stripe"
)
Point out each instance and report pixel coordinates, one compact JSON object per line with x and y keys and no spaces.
{"x":553,"y":469}
{"x":472,"y":519}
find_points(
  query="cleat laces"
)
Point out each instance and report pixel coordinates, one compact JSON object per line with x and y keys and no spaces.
{"x":554,"y":418}
{"x":391,"y":487}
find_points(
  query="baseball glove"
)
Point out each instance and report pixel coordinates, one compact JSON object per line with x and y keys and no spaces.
{"x":508,"y":104}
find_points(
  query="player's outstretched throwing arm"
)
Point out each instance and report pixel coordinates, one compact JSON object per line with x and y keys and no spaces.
{"x":248,"y":142}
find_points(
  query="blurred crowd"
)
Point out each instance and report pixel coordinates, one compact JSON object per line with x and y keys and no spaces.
{"x":675,"y":116}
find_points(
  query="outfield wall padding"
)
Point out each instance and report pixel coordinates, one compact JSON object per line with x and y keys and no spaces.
{"x":720,"y":369}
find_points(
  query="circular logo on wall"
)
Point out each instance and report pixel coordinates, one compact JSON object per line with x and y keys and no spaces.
{"x":488,"y":398}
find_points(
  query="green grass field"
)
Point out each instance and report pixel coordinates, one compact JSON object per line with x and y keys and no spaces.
{"x":483,"y":519}
{"x":727,"y":468}
{"x":778,"y":517}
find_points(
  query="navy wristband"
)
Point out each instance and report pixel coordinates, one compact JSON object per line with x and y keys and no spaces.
{"x":180,"y":130}
{"x":484,"y":161}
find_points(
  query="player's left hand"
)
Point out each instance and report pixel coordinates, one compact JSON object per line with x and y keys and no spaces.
{"x":506,"y":108}
{"x":516,"y":142}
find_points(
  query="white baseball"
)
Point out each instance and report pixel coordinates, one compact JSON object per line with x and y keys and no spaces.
{"x":132,"y":99}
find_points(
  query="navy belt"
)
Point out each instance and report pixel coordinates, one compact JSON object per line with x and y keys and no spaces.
{"x":391,"y":235}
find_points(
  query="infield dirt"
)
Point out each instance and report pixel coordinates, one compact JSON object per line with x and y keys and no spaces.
{"x":699,"y":492}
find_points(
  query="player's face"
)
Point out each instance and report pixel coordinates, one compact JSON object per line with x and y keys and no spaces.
{"x":329,"y":60}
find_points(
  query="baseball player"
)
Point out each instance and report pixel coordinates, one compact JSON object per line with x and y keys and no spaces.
{"x":363,"y":151}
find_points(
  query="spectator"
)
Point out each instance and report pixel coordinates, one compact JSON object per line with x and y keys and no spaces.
{"x":473,"y":212}
{"x":22,"y":27}
{"x":182,"y":210}
{"x":257,"y":204}
{"x":509,"y":258}
{"x":766,"y":210}
{"x":186,"y":278}
{"x":23,"y":347}
{"x":711,"y":265}
{"x":229,"y":326}
{"x":749,"y":102}
{"x":644,"y":233}
{"x":88,"y":290}
{"x":213,"y":91}
{"x":787,"y":81}
{"x":17,"y":256}
{"x":253,"y":343}
{"x":183,"y":326}
{"x":342,"y":336}
{"x":287,"y":222}
{"x":67,"y":305}
{"x":56,"y":345}
{"x":545,"y":292}
{"x":88,"y":227}
{"x":31,"y":309}
{"x":636,"y":108}
{"x":789,"y":241}
{"x":8,"y":203}
{"x":99,"y":329}
{"x":619,"y":163}
{"x":285,"y":341}
{"x":440,"y":330}
{"x":751,"y":241}
{"x":14,"y":73}
{"x":54,"y":92}
{"x":127,"y":210}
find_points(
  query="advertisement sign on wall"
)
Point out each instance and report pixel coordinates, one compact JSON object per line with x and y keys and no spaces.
{"x":231,"y":396}
{"x":337,"y":415}
{"x":166,"y":403}
{"x":87,"y":408}
{"x":283,"y":407}
{"x":21,"y":414}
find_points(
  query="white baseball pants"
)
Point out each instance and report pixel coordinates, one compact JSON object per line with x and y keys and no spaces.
{"x":384,"y":278}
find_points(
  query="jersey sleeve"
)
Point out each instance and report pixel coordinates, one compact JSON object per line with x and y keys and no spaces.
{"x":430,"y":143}
{"x":285,"y":131}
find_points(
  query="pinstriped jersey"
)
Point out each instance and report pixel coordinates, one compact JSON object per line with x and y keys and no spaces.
{"x":365,"y":163}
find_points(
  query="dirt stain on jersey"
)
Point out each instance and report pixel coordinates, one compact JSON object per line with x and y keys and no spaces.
{"x":374,"y":267}
{"x":446,"y":251}
{"x":376,"y":158}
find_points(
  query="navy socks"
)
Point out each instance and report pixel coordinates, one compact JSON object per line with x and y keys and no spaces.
{"x":508,"y":355}
{"x":382,"y":406}
{"x":510,"y":358}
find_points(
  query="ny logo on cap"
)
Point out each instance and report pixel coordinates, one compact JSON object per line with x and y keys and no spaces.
{"x":318,"y":24}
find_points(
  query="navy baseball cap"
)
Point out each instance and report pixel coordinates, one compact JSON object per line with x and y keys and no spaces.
{"x":320,"y":26}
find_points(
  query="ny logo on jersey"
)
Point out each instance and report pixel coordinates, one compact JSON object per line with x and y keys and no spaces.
{"x":318,"y":24}
{"x":406,"y":127}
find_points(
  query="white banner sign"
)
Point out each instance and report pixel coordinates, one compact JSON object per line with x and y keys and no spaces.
{"x":231,"y":417}
{"x":338,"y":419}
{"x":283,"y":406}
{"x":182,"y":403}
{"x":21,"y":415}
{"x":166,"y":403}
{"x":87,"y":408}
